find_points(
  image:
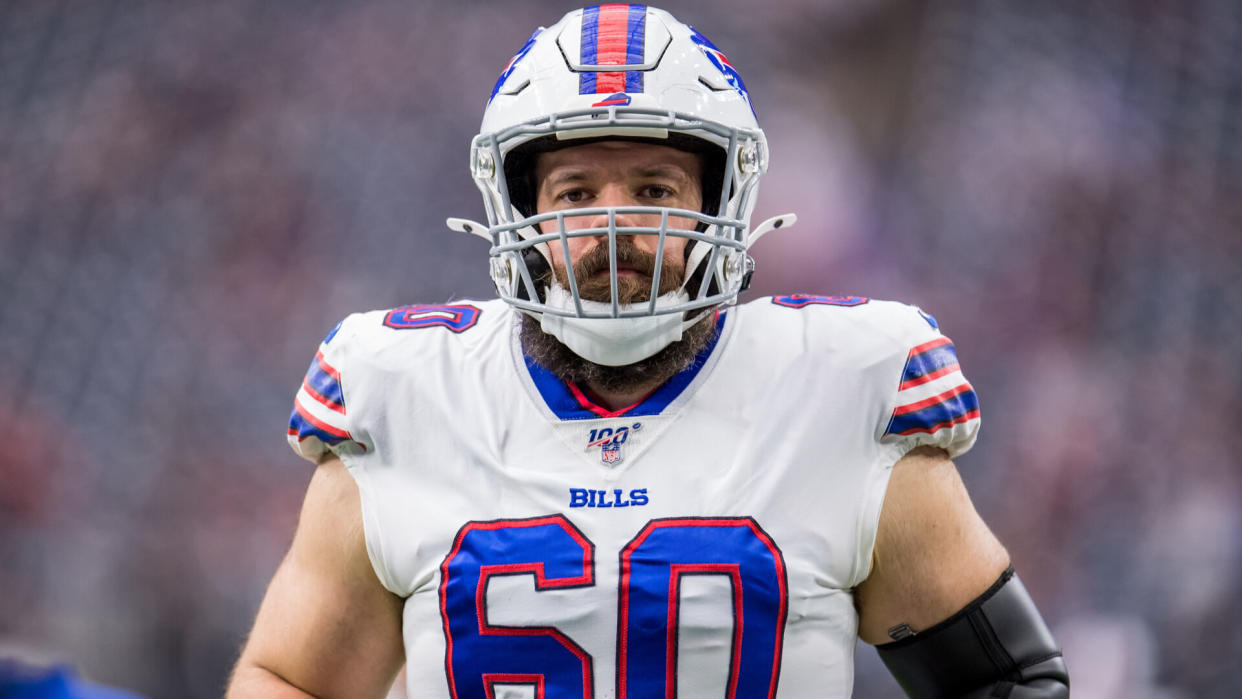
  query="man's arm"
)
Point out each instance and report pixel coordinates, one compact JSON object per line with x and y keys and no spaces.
{"x":327,"y":627}
{"x":933,"y":553}
{"x":940,"y":578}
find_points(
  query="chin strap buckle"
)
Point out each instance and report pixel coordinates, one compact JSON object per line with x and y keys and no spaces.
{"x":750,"y":272}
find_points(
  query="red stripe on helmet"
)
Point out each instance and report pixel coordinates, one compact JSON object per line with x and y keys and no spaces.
{"x":613,"y":33}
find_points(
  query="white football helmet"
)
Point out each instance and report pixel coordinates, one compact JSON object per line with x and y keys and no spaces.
{"x":619,"y":71}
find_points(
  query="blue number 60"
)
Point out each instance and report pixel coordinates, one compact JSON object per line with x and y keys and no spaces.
{"x":479,"y":655}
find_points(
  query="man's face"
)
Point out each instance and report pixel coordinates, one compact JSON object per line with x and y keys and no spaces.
{"x":619,"y":173}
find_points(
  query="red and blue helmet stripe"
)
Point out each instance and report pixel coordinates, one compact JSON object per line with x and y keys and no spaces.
{"x":613,"y":35}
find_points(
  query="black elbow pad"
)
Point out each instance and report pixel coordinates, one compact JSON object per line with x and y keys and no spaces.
{"x":996,"y":646}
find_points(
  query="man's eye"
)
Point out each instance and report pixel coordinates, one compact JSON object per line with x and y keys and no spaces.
{"x":574,"y":196}
{"x":656,"y":191}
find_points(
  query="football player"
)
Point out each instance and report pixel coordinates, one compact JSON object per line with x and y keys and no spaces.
{"x":612,"y":481}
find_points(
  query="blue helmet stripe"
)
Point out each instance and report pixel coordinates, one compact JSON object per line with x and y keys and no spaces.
{"x":590,"y":45}
{"x":635,"y":53}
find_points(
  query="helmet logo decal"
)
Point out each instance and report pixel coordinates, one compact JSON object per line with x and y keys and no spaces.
{"x":613,"y":35}
{"x":517,"y":58}
{"x":619,"y":99}
{"x":717,"y":58}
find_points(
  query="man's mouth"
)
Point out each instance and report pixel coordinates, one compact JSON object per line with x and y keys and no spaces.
{"x":622,"y":271}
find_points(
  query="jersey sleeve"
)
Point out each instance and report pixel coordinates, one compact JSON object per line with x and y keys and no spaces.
{"x":320,"y":422}
{"x":931,"y":402}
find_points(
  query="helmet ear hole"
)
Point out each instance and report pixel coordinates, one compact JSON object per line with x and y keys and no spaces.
{"x":519,"y":172}
{"x":712,"y":178}
{"x":695,"y":278}
{"x":540,"y":273}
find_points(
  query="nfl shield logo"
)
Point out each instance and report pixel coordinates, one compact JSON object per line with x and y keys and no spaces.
{"x":610,"y":453}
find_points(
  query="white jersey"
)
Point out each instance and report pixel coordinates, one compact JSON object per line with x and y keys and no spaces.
{"x":704,"y":541}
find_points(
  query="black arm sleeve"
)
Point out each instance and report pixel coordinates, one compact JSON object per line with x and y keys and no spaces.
{"x":996,"y":646}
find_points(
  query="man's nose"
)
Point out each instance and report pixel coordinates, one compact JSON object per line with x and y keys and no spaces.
{"x":614,"y":196}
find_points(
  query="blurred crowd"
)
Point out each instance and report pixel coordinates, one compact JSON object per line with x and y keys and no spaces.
{"x":192,"y":194}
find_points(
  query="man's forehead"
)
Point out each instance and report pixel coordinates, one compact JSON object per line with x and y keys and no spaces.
{"x":630,"y":157}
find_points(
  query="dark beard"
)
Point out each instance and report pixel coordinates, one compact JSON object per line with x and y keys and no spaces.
{"x":553,"y":355}
{"x":594,"y":286}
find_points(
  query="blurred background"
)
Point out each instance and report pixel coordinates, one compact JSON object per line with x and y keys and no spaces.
{"x":192,"y":194}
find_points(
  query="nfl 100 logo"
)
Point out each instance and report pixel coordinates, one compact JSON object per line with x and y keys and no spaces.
{"x":610,"y":453}
{"x":609,"y":441}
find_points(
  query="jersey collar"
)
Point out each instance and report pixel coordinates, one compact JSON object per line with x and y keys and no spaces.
{"x":569,"y":402}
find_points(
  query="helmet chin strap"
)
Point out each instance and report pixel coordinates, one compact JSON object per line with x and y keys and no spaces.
{"x":614,"y":341}
{"x":769,"y":225}
{"x":697,"y":257}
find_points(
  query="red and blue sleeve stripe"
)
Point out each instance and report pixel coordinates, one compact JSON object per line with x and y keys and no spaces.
{"x":614,"y":35}
{"x":319,"y":406}
{"x":953,"y":407}
{"x":928,"y":362}
{"x":323,"y":383}
{"x":304,"y":425}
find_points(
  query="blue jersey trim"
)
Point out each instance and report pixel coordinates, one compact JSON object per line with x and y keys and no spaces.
{"x":332,"y":333}
{"x":561,"y":401}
